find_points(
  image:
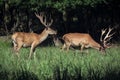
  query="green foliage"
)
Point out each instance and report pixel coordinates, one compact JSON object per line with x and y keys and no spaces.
{"x":1,"y":2}
{"x":15,"y":2}
{"x":93,"y":2}
{"x":63,"y":4}
{"x":52,"y":63}
{"x":60,"y":5}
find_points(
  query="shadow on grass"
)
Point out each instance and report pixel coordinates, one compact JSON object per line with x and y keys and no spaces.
{"x":64,"y":75}
{"x":109,"y":75}
{"x":59,"y":75}
{"x":16,"y":75}
{"x":92,"y":75}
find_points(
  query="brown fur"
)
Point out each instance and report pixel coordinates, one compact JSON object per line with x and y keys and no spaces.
{"x":22,"y":39}
{"x":80,"y":39}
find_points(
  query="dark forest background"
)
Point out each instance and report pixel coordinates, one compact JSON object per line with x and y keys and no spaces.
{"x":85,"y":16}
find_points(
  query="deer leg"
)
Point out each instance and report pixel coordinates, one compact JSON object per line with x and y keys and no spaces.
{"x":32,"y":50}
{"x":15,"y":48}
{"x":14,"y":45}
{"x":68,"y":46}
{"x":64,"y":46}
{"x":82,"y":46}
{"x":18,"y":48}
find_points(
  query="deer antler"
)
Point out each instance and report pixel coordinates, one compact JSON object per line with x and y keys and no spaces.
{"x":43,"y":20}
{"x":107,"y":37}
{"x":103,"y":32}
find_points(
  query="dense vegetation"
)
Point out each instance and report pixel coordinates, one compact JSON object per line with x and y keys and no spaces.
{"x":86,"y":16}
{"x":53,"y":64}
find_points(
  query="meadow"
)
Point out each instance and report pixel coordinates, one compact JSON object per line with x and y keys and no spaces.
{"x":51,"y":63}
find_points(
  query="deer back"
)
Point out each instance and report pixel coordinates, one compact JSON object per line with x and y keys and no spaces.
{"x":80,"y":39}
{"x":25,"y":37}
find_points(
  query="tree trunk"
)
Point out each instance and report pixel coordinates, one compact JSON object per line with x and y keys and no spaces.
{"x":5,"y":17}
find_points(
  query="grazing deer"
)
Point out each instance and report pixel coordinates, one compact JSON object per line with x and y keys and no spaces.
{"x":22,"y":39}
{"x":85,"y":40}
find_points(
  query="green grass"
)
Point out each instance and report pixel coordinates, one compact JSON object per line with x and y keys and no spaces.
{"x":52,"y":63}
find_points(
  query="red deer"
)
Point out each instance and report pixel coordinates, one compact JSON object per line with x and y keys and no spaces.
{"x":85,"y":40}
{"x":22,"y":39}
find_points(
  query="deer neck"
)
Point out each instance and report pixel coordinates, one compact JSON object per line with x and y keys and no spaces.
{"x":43,"y":35}
{"x":95,"y":45}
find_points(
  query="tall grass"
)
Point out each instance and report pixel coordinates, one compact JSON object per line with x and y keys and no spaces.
{"x":52,"y":63}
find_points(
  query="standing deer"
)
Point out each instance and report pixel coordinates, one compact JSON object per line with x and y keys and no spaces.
{"x":22,"y":39}
{"x":85,"y":40}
